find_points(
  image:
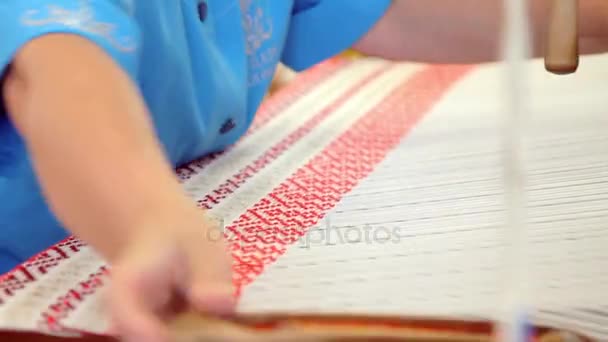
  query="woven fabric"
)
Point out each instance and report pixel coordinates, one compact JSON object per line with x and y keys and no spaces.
{"x":374,"y":187}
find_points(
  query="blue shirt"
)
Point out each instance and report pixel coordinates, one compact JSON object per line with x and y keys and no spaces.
{"x":203,"y":68}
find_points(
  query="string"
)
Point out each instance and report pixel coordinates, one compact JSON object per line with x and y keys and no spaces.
{"x":513,"y":325}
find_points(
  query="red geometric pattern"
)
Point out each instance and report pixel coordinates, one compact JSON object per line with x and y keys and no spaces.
{"x":30,"y":271}
{"x":274,"y":105}
{"x":230,"y":185}
{"x":263,"y":233}
{"x":55,"y":315}
{"x":66,"y":304}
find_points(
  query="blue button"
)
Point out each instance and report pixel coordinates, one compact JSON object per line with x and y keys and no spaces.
{"x":227,"y":126}
{"x":202,"y":10}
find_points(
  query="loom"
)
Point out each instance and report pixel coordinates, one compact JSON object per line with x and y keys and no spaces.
{"x":561,"y":57}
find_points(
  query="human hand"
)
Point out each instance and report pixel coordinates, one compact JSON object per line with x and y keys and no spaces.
{"x":162,"y":248}
{"x":166,"y":270}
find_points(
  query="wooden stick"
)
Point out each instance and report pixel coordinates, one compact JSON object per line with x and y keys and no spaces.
{"x":561,"y":54}
{"x":193,"y":327}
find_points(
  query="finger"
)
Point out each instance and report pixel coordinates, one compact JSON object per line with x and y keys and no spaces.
{"x":216,"y":299}
{"x":138,"y":296}
{"x":211,"y":289}
{"x":132,"y":319}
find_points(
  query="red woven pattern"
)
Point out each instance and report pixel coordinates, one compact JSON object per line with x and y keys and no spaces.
{"x":265,"y":231}
{"x":39,"y":265}
{"x":274,"y":105}
{"x":217,"y":195}
{"x":51,"y":319}
{"x":66,"y":303}
{"x":27,"y":273}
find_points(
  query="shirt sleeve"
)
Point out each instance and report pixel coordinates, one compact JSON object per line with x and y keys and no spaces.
{"x":107,"y":23}
{"x":321,"y":29}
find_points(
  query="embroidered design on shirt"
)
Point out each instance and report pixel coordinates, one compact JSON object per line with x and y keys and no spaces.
{"x":258,"y":27}
{"x":83,"y":19}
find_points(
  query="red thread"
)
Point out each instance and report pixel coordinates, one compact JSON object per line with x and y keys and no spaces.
{"x":238,"y":179}
{"x":265,"y":231}
{"x":52,"y":317}
{"x":273,"y":106}
{"x":228,"y":187}
{"x":18,"y":278}
{"x":31,"y":270}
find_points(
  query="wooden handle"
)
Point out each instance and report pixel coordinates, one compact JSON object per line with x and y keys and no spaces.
{"x":562,"y":55}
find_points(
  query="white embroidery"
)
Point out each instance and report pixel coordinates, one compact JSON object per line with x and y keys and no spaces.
{"x":258,"y":27}
{"x":83,"y":19}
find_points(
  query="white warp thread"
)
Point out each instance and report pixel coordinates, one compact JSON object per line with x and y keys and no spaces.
{"x":516,"y":293}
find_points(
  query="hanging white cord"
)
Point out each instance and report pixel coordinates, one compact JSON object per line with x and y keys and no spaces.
{"x":516,"y":294}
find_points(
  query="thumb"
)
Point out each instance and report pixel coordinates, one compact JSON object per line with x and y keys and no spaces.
{"x":211,"y":288}
{"x":213,"y":298}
